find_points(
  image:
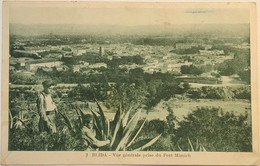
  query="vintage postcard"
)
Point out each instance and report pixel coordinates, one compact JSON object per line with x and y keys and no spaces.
{"x":130,"y":83}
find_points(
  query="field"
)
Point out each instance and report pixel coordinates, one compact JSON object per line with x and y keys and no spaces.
{"x":183,"y":107}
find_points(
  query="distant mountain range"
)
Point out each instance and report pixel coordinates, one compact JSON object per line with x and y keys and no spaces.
{"x":69,"y":29}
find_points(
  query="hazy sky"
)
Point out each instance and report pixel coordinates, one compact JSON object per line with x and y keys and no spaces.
{"x":128,"y":16}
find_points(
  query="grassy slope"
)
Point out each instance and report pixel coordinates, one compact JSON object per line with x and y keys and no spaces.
{"x":181,"y":107}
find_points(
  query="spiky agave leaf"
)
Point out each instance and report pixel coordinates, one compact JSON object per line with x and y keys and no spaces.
{"x":118,"y":138}
{"x":132,"y":123}
{"x":179,"y":148}
{"x":149,"y":143}
{"x":118,"y":114}
{"x":79,"y":117}
{"x":103,"y":118}
{"x":200,"y":149}
{"x":108,"y":129}
{"x":192,"y":149}
{"x":67,"y":120}
{"x":203,"y":149}
{"x":11,"y":119}
{"x":80,"y":114}
{"x":197,"y":145}
{"x":18,"y":124}
{"x":97,"y":124}
{"x":136,"y":134}
{"x":126,"y":117}
{"x":128,"y":130}
{"x":80,"y":111}
{"x":116,"y":119}
{"x":118,"y":125}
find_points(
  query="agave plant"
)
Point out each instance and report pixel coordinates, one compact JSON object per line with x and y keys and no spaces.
{"x":122,"y":130}
{"x":194,"y":147}
{"x":18,"y":121}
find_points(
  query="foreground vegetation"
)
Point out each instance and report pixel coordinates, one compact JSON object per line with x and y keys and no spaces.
{"x":203,"y":129}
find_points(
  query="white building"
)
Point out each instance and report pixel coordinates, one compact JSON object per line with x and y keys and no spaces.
{"x":76,"y":69}
{"x":98,"y":65}
{"x":35,"y":66}
{"x":81,"y":52}
{"x":211,"y":52}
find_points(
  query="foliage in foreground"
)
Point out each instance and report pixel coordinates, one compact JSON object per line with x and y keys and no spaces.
{"x":215,"y":130}
{"x":60,"y":141}
{"x":203,"y":129}
{"x":122,"y":131}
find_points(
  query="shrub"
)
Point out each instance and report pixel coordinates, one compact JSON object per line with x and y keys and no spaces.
{"x":191,"y":69}
{"x":152,"y":129}
{"x":245,"y":76}
{"x":195,"y":93}
{"x":220,"y":92}
{"x":22,"y":139}
{"x":215,"y":130}
{"x":213,"y":93}
{"x":158,"y":126}
{"x":242,"y":93}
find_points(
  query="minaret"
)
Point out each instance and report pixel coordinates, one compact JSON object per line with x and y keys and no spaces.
{"x":100,"y":51}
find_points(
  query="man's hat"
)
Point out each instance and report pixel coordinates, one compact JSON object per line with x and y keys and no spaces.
{"x":47,"y":83}
{"x":87,"y":118}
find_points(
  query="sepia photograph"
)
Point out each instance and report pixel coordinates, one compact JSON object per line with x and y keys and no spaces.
{"x":94,"y":77}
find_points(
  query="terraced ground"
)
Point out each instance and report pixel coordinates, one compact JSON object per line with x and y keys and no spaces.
{"x":183,"y":107}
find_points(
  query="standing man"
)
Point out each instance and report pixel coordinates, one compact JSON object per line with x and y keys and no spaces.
{"x":46,"y":108}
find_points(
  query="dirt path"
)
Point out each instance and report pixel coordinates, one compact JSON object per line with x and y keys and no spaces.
{"x":226,"y":81}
